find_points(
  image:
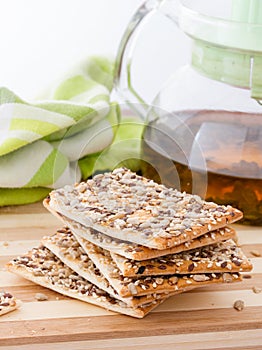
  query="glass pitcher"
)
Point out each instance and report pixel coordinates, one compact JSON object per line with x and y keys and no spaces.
{"x":203,"y":130}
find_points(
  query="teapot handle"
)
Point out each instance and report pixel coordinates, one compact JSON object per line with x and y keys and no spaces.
{"x":122,"y":75}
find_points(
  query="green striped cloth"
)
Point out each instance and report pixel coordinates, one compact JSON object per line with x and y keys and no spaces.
{"x":41,"y":143}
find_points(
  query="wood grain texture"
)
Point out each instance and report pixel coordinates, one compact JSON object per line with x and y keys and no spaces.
{"x":166,"y":342}
{"x":200,"y":319}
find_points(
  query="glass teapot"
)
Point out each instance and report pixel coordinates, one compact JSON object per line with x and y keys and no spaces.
{"x":203,"y":130}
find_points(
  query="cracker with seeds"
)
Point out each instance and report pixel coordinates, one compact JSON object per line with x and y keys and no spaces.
{"x":135,"y":251}
{"x":65,"y":246}
{"x":8,"y":303}
{"x":128,"y":286}
{"x":126,"y":206}
{"x":219,"y":257}
{"x":42,"y":267}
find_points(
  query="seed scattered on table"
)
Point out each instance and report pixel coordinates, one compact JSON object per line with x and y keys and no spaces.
{"x":239,"y":305}
{"x":256,"y":290}
{"x":41,"y":297}
{"x":255,"y":253}
{"x":246,"y":276}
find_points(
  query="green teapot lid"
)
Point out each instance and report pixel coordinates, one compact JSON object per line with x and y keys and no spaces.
{"x":228,"y":49}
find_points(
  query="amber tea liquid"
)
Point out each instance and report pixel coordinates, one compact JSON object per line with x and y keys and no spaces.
{"x":216,"y":154}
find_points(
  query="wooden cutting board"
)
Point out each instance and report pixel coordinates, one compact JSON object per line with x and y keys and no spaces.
{"x":200,"y":319}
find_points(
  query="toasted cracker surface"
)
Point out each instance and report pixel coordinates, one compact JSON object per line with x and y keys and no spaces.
{"x":128,"y":286}
{"x":41,"y":266}
{"x":129,"y":207}
{"x":138,"y":252}
{"x":66,"y":247}
{"x":219,"y":257}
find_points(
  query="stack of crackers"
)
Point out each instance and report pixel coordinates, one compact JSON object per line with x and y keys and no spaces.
{"x":128,"y":244}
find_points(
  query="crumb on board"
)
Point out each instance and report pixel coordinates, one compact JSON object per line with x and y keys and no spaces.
{"x":41,"y":297}
{"x":256,"y":290}
{"x":239,"y":305}
{"x":255,"y":253}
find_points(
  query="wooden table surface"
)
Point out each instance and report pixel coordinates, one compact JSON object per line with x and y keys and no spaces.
{"x":200,"y":319}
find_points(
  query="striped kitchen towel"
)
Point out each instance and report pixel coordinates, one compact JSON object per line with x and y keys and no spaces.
{"x":41,"y":142}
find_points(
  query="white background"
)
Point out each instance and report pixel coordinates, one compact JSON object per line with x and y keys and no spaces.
{"x":41,"y":39}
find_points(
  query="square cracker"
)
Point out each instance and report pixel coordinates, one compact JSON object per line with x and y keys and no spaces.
{"x":129,"y":286}
{"x":130,"y":207}
{"x":135,"y":251}
{"x":66,"y":247}
{"x":42,"y":267}
{"x":219,"y":257}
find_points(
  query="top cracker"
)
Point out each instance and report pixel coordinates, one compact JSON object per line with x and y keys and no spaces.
{"x":130,"y":207}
